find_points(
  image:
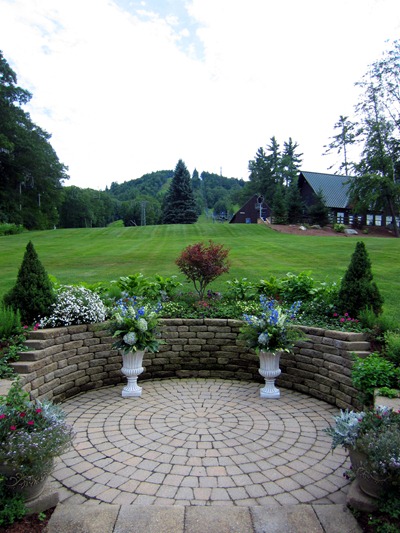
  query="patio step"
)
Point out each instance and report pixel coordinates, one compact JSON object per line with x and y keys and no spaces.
{"x":108,"y":518}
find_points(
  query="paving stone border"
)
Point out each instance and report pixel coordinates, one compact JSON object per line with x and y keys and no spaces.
{"x":62,"y":362}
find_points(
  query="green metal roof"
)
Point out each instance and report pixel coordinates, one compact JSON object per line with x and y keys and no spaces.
{"x":333,"y":187}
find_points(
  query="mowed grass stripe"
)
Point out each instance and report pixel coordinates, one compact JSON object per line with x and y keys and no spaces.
{"x":256,"y":252}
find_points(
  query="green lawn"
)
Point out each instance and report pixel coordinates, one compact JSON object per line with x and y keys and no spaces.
{"x":256,"y":252}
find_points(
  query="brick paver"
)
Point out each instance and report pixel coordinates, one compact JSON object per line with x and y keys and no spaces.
{"x":201,"y":442}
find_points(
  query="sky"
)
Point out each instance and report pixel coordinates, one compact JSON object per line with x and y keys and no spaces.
{"x":128,"y":87}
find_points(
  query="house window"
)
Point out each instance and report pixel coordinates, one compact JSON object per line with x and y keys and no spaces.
{"x":378,"y":220}
{"x":370,"y":220}
{"x":340,"y":218}
{"x":389,"y":220}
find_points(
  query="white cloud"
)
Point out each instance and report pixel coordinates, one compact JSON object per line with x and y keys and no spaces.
{"x":126,"y":92}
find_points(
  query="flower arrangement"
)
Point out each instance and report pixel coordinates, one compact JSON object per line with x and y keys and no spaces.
{"x":32,"y":434}
{"x":271,"y":330}
{"x":75,"y":305}
{"x":135,"y":325}
{"x":375,"y":434}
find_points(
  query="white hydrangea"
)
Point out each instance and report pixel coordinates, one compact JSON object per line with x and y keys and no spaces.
{"x":75,"y":305}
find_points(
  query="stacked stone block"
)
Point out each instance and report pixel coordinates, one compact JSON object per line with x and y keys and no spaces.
{"x":63,"y":362}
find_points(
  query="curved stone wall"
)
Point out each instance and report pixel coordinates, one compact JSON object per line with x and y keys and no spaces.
{"x":63,"y":362}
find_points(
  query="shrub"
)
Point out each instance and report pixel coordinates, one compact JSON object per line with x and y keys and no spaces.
{"x":339,"y":228}
{"x":392,"y":346}
{"x":358,"y":290}
{"x":75,"y":305}
{"x":241,"y":289}
{"x":373,"y":372}
{"x":10,"y":322}
{"x":33,"y":293}
{"x":11,"y":229}
{"x":202,"y":264}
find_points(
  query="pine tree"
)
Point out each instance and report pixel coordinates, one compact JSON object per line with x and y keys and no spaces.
{"x":318,"y":212}
{"x":179,"y":205}
{"x":279,"y":206}
{"x":358,"y":291}
{"x":32,"y":293}
{"x":294,"y":203}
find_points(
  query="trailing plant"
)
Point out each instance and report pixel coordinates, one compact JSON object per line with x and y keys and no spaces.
{"x":75,"y":305}
{"x":373,"y":372}
{"x":202,"y":264}
{"x":32,"y":293}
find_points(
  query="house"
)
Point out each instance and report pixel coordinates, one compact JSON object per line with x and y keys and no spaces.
{"x":251,"y":211}
{"x":335,"y":190}
{"x":336,"y":193}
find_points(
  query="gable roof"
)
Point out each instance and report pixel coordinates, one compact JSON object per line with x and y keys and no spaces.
{"x":333,"y":187}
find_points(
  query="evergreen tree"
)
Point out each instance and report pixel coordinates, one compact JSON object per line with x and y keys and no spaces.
{"x":290,"y":162}
{"x":347,"y":136}
{"x":32,"y":293}
{"x":318,"y":212}
{"x":179,"y":205}
{"x":294,"y":203}
{"x":358,"y":291}
{"x":279,"y":206}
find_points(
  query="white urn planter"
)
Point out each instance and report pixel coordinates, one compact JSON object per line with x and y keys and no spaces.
{"x":132,"y":368}
{"x":269,"y":369}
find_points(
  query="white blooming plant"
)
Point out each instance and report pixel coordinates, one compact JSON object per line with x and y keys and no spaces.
{"x":75,"y":305}
{"x":135,"y":326}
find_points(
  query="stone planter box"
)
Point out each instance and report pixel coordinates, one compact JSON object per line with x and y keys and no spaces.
{"x":63,"y":362}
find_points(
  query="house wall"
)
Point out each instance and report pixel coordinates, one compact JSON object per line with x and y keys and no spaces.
{"x":63,"y":362}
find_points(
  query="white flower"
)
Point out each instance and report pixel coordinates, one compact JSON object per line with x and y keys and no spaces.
{"x":130,"y":338}
{"x":142,"y":324}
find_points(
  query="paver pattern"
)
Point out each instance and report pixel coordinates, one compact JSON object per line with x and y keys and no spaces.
{"x":200,"y":442}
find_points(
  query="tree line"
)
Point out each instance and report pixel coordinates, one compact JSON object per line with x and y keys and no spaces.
{"x":33,"y":191}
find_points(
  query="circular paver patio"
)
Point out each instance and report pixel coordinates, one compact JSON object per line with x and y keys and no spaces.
{"x":200,"y":442}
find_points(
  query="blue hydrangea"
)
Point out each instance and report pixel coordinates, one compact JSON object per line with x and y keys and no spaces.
{"x":130,"y":338}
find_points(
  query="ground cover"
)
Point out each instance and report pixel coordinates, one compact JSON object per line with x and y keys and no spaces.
{"x":256,"y":252}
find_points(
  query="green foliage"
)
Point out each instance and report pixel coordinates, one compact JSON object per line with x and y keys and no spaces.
{"x":358,"y":291}
{"x":12,"y":507}
{"x":392,"y":346}
{"x":373,"y":372}
{"x":32,"y":294}
{"x":10,"y":322}
{"x":388,"y":392}
{"x":11,"y":229}
{"x":202,"y":264}
{"x":241,"y":289}
{"x":31,"y":174}
{"x":339,"y":228}
{"x":179,"y":206}
{"x":318,"y":213}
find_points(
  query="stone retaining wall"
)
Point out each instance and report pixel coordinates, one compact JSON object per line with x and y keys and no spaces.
{"x":62,"y":362}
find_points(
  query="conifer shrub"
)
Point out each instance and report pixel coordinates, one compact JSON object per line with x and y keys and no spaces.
{"x":358,"y":291}
{"x":32,"y":294}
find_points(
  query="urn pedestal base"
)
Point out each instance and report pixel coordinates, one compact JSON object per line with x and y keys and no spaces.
{"x":132,"y":368}
{"x":269,"y":369}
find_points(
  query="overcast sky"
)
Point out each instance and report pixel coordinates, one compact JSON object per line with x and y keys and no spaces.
{"x":127,"y":87}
